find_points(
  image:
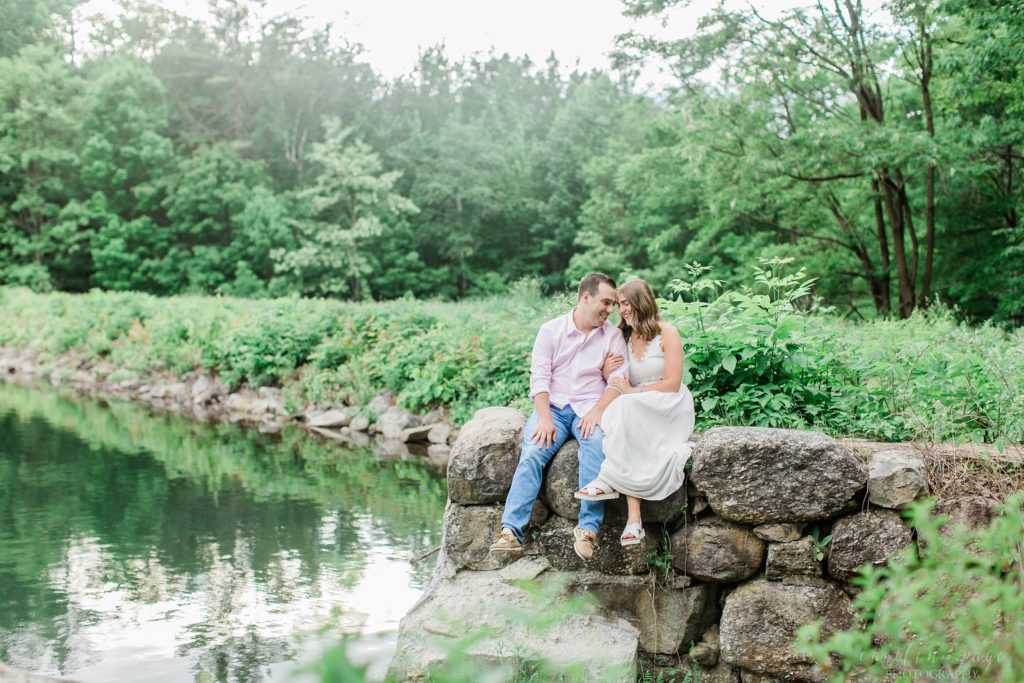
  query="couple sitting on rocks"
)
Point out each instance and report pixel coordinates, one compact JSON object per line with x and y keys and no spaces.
{"x":619,"y":392}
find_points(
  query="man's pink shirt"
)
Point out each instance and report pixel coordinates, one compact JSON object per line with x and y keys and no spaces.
{"x":567,"y":363}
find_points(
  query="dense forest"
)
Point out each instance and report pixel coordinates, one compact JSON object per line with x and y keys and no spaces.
{"x":253,"y":155}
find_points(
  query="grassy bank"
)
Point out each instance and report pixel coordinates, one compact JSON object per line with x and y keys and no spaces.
{"x":752,"y":358}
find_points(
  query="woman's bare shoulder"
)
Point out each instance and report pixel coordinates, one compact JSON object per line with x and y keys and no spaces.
{"x":668,"y":330}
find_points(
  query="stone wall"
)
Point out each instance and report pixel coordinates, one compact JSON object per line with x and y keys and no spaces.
{"x":731,"y":566}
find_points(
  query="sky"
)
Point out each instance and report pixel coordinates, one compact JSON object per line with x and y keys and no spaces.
{"x":393,"y":32}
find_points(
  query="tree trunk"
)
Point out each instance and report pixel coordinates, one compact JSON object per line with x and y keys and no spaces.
{"x":883,"y":246}
{"x":929,"y":179}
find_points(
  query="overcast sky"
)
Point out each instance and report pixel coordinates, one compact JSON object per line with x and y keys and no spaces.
{"x":393,"y":31}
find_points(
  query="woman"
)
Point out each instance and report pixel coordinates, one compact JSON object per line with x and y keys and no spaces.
{"x":646,"y":430}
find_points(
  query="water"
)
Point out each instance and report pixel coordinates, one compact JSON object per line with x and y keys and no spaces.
{"x":139,"y":547}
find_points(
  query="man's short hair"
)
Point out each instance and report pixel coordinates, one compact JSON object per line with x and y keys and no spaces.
{"x":592,"y":282}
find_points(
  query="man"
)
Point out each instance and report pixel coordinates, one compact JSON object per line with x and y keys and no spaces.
{"x":569,"y":396}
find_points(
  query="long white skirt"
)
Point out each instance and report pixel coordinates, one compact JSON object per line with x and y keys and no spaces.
{"x":646,"y":442}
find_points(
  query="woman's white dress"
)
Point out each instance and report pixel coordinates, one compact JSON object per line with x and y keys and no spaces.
{"x":646,"y":434}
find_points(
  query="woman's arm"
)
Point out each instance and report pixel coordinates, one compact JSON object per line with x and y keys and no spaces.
{"x":672,"y":345}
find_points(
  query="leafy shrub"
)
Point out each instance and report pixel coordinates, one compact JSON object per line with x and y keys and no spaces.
{"x":950,"y":612}
{"x":750,"y":355}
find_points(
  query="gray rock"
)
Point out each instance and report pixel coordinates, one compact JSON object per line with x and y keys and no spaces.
{"x":866,"y":538}
{"x":202,"y":390}
{"x":485,"y":456}
{"x":381,"y":402}
{"x":467,"y":534}
{"x":760,"y":476}
{"x":239,"y":404}
{"x":525,"y":568}
{"x":793,"y":558}
{"x":556,"y":540}
{"x":708,"y":650}
{"x":331,"y":419}
{"x":670,"y":618}
{"x":971,"y":513}
{"x":603,"y":646}
{"x":720,"y":673}
{"x":615,"y":593}
{"x":705,"y":654}
{"x":392,"y":424}
{"x":760,"y":620}
{"x":896,"y":478}
{"x":778,"y":533}
{"x":414,"y":434}
{"x":439,"y":432}
{"x":561,"y":481}
{"x":751,"y":677}
{"x":359,"y":423}
{"x":717,"y":550}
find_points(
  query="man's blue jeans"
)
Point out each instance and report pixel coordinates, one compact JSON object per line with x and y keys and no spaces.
{"x":530,"y":471}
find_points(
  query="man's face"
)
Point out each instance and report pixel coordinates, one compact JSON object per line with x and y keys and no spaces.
{"x":597,"y":308}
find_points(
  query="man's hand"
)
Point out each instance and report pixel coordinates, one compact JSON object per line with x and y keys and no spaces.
{"x":612,"y":362}
{"x":589,"y":422}
{"x":545,"y":433}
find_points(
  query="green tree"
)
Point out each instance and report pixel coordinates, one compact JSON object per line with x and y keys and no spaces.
{"x":350,"y":200}
{"x":125,"y":161}
{"x":39,"y":100}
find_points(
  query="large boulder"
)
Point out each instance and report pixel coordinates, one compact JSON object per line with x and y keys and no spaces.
{"x":866,"y":538}
{"x":485,"y":456}
{"x":469,"y":530}
{"x":670,"y":618}
{"x":561,"y":481}
{"x":717,"y":550}
{"x":970,"y":513}
{"x":602,"y":646}
{"x":760,"y":475}
{"x":895,"y":479}
{"x":556,"y":539}
{"x":760,"y":620}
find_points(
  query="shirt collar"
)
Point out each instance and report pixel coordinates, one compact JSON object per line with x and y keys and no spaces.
{"x":570,"y":326}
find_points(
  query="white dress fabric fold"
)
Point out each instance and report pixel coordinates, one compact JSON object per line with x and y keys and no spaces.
{"x":646,"y":434}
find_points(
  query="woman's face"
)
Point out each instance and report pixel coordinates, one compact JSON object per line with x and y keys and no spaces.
{"x":625,"y":310}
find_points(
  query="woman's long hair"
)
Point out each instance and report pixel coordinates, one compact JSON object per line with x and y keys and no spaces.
{"x":645,"y":311}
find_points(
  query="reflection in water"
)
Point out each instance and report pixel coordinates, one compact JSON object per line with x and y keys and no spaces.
{"x":149,"y":547}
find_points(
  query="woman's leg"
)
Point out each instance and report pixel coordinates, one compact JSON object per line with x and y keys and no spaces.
{"x":633,"y":533}
{"x":632,"y":509}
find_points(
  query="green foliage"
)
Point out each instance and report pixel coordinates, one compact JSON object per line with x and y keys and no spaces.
{"x":350,"y":201}
{"x":820,"y":543}
{"x":753,"y":356}
{"x":947,"y":609}
{"x":750,"y":358}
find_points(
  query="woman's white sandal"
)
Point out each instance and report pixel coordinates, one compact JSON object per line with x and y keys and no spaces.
{"x":590,"y":491}
{"x":636,"y":530}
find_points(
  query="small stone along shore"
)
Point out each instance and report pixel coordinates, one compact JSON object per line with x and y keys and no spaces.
{"x":746,"y":563}
{"x":392,"y":432}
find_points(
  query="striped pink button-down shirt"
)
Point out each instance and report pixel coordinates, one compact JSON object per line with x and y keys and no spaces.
{"x":567,"y":363}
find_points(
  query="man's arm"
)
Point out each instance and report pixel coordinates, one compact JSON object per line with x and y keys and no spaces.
{"x":540,"y":388}
{"x":545,"y":433}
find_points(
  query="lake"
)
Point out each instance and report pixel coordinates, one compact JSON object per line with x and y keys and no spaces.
{"x":149,"y":547}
